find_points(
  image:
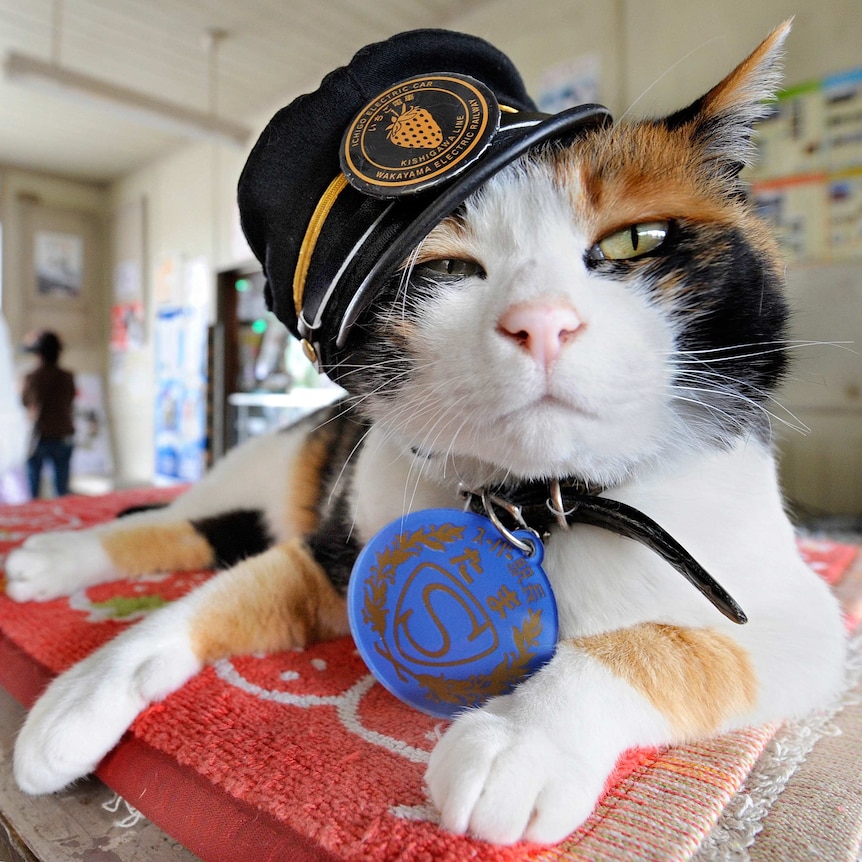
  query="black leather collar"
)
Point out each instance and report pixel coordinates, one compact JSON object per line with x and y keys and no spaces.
{"x":536,"y":506}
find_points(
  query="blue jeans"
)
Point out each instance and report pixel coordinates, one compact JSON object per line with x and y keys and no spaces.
{"x":59,"y":453}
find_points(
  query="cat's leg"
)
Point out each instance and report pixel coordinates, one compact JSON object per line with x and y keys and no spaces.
{"x":240,"y":502}
{"x":49,"y":565}
{"x":276,"y":600}
{"x":532,"y":764}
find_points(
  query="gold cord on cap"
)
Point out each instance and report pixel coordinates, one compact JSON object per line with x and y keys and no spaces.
{"x":315,"y":226}
{"x":312,"y":234}
{"x":309,"y":351}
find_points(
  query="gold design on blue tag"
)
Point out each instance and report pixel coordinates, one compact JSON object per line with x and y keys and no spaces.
{"x":447,"y":613}
{"x":418,"y":133}
{"x":437,"y":591}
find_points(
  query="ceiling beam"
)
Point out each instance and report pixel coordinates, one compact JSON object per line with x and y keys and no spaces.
{"x":135,"y":106}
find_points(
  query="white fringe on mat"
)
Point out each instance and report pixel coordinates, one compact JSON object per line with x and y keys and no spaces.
{"x":742,"y":819}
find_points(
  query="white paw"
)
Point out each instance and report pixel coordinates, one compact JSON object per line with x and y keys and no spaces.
{"x":84,"y":712}
{"x":49,"y":565}
{"x":503,"y":780}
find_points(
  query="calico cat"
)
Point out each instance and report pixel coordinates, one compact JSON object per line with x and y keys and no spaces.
{"x":610,"y":310}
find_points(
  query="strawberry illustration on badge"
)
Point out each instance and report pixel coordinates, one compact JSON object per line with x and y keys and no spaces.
{"x":414,"y":128}
{"x":418,"y":134}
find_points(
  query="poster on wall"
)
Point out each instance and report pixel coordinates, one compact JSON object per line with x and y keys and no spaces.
{"x":181,"y":370}
{"x":568,"y":84}
{"x":790,"y":140}
{"x":59,"y":278}
{"x":181,"y":394}
{"x":844,"y":202}
{"x":808,"y":177}
{"x":843,"y":119}
{"x":796,"y":209}
{"x":167,"y":282}
{"x":128,"y":314}
{"x":92,"y":453}
{"x":196,"y":280}
{"x":127,"y":326}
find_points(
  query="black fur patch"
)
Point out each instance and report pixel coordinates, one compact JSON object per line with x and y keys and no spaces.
{"x":727,"y":299}
{"x":143,"y":507}
{"x":334,"y":548}
{"x":332,"y":544}
{"x":733,"y":318}
{"x":235,"y":535}
{"x":684,"y":116}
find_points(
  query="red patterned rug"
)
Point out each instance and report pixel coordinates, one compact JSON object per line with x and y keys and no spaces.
{"x":300,"y":755}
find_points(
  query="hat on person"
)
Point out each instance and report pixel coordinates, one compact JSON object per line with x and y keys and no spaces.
{"x":44,"y":343}
{"x":345,"y":181}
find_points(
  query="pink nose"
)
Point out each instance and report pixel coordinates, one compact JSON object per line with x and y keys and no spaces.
{"x":542,"y":329}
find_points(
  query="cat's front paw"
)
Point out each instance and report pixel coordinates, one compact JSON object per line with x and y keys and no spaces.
{"x":66,"y":733}
{"x":50,"y":565}
{"x":84,"y":712}
{"x":501,"y":779}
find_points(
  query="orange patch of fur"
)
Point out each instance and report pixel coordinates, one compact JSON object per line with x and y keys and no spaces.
{"x":157,"y":548}
{"x":644,"y":171}
{"x":697,"y":678}
{"x":734,"y":88}
{"x":278,"y":600}
{"x":639,"y":173}
{"x":304,"y":484}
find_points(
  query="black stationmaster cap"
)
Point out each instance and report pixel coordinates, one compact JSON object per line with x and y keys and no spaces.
{"x":344,"y":182}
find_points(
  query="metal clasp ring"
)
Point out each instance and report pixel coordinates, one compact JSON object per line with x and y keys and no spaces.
{"x":555,"y":505}
{"x":490,"y":500}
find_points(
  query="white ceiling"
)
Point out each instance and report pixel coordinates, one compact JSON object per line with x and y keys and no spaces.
{"x":273,"y":49}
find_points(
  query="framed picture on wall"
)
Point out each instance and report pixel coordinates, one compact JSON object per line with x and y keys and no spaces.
{"x":58,"y":264}
{"x":60,"y":270}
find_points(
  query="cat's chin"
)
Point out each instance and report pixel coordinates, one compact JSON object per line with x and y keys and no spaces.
{"x":553,"y":438}
{"x":549,"y":438}
{"x":512,"y":462}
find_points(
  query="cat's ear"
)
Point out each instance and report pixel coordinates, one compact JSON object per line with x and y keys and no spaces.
{"x":722,"y":121}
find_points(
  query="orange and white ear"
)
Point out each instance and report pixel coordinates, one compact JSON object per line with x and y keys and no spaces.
{"x":722,"y":121}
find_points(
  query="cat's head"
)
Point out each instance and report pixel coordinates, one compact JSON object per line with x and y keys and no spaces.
{"x":591,"y":307}
{"x":519,"y":294}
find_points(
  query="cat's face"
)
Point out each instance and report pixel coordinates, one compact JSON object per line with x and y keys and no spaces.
{"x":591,"y":308}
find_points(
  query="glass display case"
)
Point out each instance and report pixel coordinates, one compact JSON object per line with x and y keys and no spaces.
{"x":258,"y":412}
{"x":260,"y":377}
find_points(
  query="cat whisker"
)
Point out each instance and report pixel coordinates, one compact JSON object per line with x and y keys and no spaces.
{"x":697,"y":377}
{"x":356,"y":448}
{"x":664,"y":74}
{"x":783,"y":342}
{"x":729,"y":393}
{"x":345,"y":370}
{"x":423,"y":465}
{"x":712,"y":408}
{"x":727,"y":354}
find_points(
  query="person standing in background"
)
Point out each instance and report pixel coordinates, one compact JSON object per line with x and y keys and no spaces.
{"x":48,"y":394}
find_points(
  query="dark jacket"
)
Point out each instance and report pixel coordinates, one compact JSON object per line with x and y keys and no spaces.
{"x":48,"y":395}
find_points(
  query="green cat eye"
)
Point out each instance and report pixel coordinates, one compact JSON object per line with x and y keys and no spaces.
{"x":630,"y":242}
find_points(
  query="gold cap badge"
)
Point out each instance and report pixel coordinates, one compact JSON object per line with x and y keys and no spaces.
{"x":418,"y":133}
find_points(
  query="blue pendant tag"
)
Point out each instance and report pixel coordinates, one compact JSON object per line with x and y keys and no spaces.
{"x":447,"y":613}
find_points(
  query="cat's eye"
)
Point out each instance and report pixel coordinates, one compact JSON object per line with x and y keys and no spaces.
{"x":452,"y":267}
{"x":631,"y":242}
